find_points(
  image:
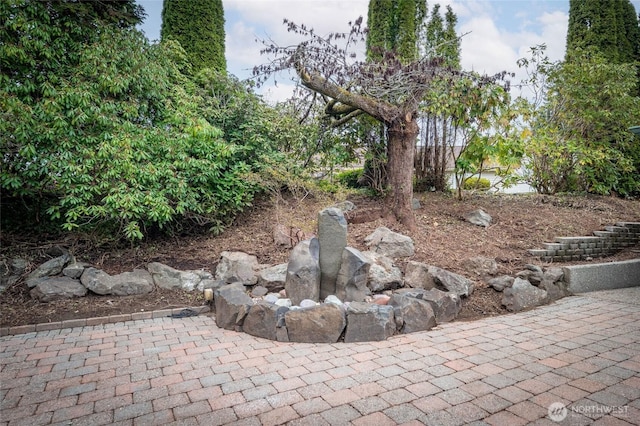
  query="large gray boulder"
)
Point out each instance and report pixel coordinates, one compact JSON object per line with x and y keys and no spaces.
{"x":351,"y":283}
{"x":332,"y":236}
{"x":446,"y":306}
{"x":49,"y":268}
{"x":232,"y":305}
{"x":412,"y":314}
{"x":273,"y":278}
{"x":237,"y":267}
{"x":416,"y":275}
{"x":262,"y":320}
{"x":454,"y":283}
{"x":318,"y":324}
{"x":127,"y":283}
{"x":522,"y":295}
{"x":169,"y":278}
{"x":388,"y":243}
{"x":369,"y":322}
{"x":383,"y":274}
{"x":303,"y":272}
{"x":49,"y":289}
{"x":97,"y":281}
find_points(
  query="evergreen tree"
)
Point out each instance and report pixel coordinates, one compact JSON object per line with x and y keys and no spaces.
{"x":198,"y":25}
{"x":395,"y":25}
{"x":610,"y":26}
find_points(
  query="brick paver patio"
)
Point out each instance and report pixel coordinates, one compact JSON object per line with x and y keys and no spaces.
{"x":581,"y":354}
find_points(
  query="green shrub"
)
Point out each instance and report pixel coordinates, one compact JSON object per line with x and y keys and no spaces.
{"x":350,"y":178}
{"x":476,"y":183}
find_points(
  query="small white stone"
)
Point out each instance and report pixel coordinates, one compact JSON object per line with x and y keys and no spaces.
{"x":333,"y":299}
{"x":283,"y":302}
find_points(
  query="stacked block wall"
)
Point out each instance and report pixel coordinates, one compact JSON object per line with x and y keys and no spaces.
{"x":602,"y":243}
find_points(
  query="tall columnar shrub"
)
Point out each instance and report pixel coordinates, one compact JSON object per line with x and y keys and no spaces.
{"x":198,"y":25}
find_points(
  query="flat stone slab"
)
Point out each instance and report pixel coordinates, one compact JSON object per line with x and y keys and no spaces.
{"x":602,"y":276}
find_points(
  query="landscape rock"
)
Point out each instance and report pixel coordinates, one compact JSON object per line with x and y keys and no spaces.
{"x":553,"y":274}
{"x":236,"y":266}
{"x":129,"y":283}
{"x":318,"y":324}
{"x":232,"y":305}
{"x":446,"y":306}
{"x":49,"y":268}
{"x":332,"y":236}
{"x":383,"y":274}
{"x":534,"y":277}
{"x":282,"y":236}
{"x":415,"y":204}
{"x":351,"y":282}
{"x":555,"y":290}
{"x":261,"y":320}
{"x":345,"y":206}
{"x":412,"y":314}
{"x":307,"y":303}
{"x":303,"y":272}
{"x":501,"y":282}
{"x":74,"y":269}
{"x":11,"y":271}
{"x":273,"y":277}
{"x":97,"y":281}
{"x":417,"y":275}
{"x":169,"y":278}
{"x":454,"y":283}
{"x":481,"y":267}
{"x":522,"y":295}
{"x":259,"y":291}
{"x":388,"y":243}
{"x":49,"y":289}
{"x":369,"y":323}
{"x":478,"y":217}
{"x":271,"y":297}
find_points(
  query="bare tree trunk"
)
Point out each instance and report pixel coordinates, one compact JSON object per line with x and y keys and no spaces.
{"x":401,"y":150}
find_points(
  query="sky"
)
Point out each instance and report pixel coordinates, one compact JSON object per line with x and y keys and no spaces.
{"x":498,"y":32}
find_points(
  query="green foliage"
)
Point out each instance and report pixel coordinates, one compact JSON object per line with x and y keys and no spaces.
{"x":394,"y":25}
{"x":476,"y":183}
{"x":116,"y":138}
{"x":611,"y":27}
{"x":578,"y":138}
{"x":198,"y":25}
{"x":350,"y":178}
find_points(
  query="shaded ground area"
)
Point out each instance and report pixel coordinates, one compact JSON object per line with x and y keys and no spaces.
{"x":444,"y":239}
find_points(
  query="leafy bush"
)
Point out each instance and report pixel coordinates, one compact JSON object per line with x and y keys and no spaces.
{"x":350,"y":178}
{"x":476,"y":183}
{"x":113,"y":137}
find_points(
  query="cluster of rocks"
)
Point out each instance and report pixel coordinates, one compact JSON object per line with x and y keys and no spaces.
{"x":329,"y":292}
{"x":63,"y":278}
{"x":531,"y":287}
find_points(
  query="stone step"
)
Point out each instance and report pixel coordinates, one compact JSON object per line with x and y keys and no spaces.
{"x":577,"y":240}
{"x":603,"y":234}
{"x":618,"y":229}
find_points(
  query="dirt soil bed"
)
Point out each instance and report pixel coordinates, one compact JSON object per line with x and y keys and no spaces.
{"x":444,"y":239}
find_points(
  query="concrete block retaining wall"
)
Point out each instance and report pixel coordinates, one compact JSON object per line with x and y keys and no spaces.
{"x":602,"y":243}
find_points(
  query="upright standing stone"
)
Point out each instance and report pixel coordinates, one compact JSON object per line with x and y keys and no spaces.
{"x":351,"y":283}
{"x":303,"y":272}
{"x":332,"y":234}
